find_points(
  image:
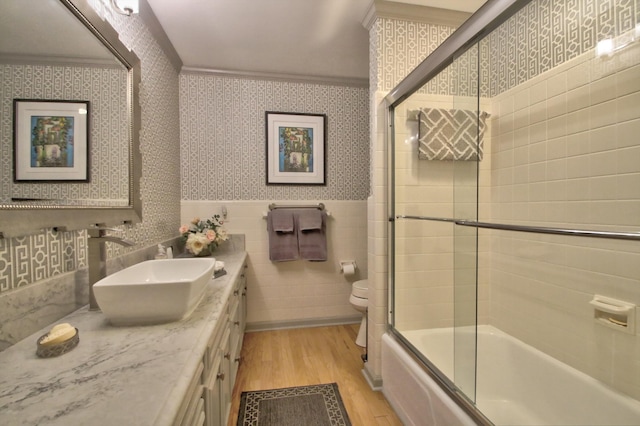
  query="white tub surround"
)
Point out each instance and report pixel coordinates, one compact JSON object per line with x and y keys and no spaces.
{"x":116,"y":375}
{"x":516,"y":384}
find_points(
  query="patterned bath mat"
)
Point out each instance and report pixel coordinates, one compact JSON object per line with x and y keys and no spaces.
{"x":316,"y":405}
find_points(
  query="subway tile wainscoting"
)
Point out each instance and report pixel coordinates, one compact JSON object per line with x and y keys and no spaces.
{"x":300,"y":292}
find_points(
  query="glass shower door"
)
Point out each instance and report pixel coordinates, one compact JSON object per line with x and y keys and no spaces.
{"x":435,"y":183}
{"x":469,"y":125}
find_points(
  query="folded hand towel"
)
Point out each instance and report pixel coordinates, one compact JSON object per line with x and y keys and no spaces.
{"x":309,"y":219}
{"x":283,"y":246}
{"x":312,"y":242}
{"x":282,"y":220}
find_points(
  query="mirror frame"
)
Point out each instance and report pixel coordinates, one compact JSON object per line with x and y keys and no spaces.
{"x":17,"y":220}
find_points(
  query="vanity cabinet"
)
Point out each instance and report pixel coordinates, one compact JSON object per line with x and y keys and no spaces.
{"x":222,"y":356}
{"x":192,"y":410}
{"x":170,"y":374}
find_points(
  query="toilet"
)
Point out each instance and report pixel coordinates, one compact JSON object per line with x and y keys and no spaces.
{"x":359,"y":300}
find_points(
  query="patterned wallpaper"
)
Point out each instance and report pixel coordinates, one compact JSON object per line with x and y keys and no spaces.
{"x":401,"y":46}
{"x":547,"y":33}
{"x":543,"y":35}
{"x":33,"y":258}
{"x":109,"y":145}
{"x":223,"y":137}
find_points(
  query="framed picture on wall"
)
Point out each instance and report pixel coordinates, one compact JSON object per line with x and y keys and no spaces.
{"x":296,"y":148}
{"x":50,"y":141}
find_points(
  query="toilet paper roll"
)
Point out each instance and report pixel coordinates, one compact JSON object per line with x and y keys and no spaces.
{"x":348,"y":269}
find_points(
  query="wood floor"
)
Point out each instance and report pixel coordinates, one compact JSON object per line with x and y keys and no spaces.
{"x":310,"y":356}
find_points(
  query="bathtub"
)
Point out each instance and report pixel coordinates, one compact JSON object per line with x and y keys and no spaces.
{"x":516,"y":385}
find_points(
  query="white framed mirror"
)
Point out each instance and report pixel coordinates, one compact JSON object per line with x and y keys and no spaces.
{"x":53,"y":53}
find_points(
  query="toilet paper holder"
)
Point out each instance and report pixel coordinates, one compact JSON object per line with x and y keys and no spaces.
{"x":344,"y":263}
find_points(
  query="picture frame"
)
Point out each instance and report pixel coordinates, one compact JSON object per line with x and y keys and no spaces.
{"x":296,"y":148}
{"x":50,"y":140}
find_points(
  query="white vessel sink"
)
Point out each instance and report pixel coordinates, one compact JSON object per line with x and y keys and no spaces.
{"x":154,"y":291}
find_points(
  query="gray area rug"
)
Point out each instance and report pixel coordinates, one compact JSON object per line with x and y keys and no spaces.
{"x":316,"y":405}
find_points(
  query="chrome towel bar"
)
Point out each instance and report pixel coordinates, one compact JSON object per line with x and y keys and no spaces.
{"x":319,"y":206}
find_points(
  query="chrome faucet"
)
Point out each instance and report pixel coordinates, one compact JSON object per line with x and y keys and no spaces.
{"x":98,"y":257}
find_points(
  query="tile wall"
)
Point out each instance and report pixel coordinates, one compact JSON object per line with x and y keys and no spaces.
{"x":425,"y":251}
{"x":296,"y":293}
{"x":549,"y":126}
{"x":566,"y":154}
{"x":396,"y":47}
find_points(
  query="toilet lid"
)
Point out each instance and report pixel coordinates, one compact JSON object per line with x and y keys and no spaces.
{"x":360,"y":289}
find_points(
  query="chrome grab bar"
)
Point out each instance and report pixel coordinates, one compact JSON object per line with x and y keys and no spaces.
{"x":633,"y":236}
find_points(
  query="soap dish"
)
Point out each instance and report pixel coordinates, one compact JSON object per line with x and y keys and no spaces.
{"x":50,"y":351}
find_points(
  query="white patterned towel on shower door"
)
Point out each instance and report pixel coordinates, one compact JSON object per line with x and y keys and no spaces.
{"x":450,"y":134}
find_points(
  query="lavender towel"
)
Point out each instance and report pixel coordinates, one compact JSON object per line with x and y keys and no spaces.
{"x":283,"y":245}
{"x":312,"y":239}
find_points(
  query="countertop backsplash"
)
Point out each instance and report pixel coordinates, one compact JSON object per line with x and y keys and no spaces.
{"x":28,"y":309}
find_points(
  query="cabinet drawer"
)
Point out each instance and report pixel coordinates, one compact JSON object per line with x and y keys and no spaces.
{"x":213,"y":345}
{"x":197,"y":415}
{"x":212,"y":391}
{"x":191,"y":401}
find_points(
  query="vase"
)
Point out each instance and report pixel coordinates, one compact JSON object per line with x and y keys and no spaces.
{"x":204,"y":252}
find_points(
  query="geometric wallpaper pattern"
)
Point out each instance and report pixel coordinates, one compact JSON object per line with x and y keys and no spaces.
{"x":223,"y":142}
{"x":545,"y":34}
{"x":36,"y":257}
{"x":401,"y":46}
{"x":541,"y":36}
{"x":104,"y":89}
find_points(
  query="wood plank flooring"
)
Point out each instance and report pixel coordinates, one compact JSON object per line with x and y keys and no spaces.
{"x":310,"y":356}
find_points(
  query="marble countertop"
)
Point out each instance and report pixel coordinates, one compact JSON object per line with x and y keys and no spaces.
{"x":116,"y":375}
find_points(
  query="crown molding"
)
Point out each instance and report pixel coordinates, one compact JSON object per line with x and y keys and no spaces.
{"x":293,"y":78}
{"x":412,"y":12}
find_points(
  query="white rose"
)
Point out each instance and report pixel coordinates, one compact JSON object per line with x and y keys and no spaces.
{"x":196,"y":243}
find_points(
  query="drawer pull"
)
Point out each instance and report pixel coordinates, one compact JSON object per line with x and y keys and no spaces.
{"x":236,"y":323}
{"x":238,"y":360}
{"x":236,"y":292}
{"x":244,"y":293}
{"x":227,"y":355}
{"x":220,"y":376}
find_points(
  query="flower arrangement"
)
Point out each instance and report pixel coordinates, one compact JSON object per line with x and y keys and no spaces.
{"x":201,"y":237}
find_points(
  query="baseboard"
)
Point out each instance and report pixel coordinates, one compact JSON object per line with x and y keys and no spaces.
{"x":318,"y":322}
{"x":375,"y":382}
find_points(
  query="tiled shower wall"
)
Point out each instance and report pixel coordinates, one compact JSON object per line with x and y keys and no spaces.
{"x":563,"y":151}
{"x":566,"y":154}
{"x":425,"y":250}
{"x":396,"y":47}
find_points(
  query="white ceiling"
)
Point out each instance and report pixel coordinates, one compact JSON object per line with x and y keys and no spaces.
{"x":320,"y":38}
{"x":45,"y":30}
